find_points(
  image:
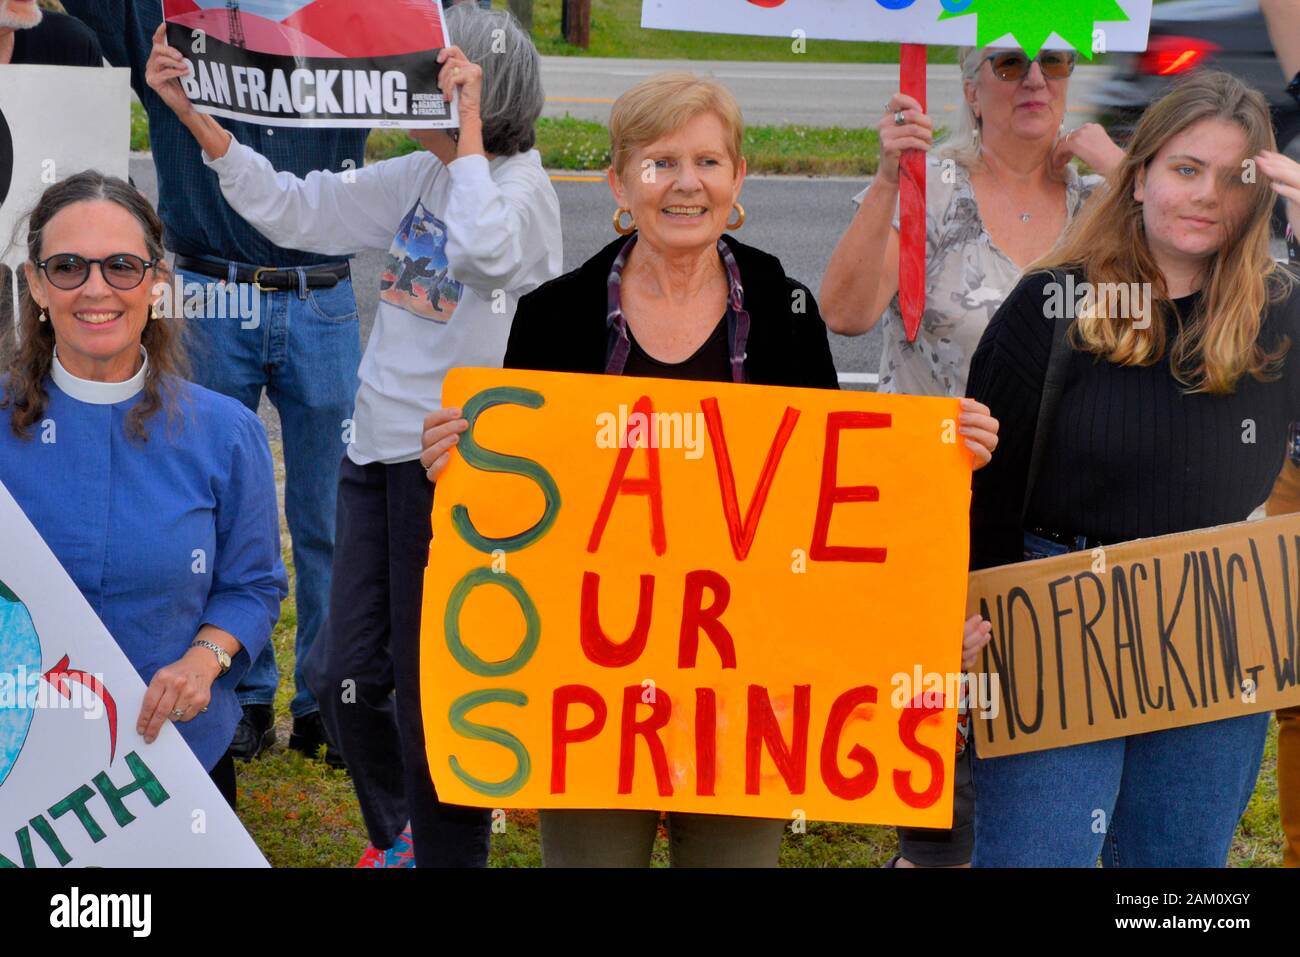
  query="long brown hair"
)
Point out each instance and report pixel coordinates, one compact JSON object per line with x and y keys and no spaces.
{"x":32,"y":358}
{"x":1220,"y":343}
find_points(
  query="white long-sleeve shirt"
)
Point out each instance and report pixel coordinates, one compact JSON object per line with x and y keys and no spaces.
{"x":465,"y":241}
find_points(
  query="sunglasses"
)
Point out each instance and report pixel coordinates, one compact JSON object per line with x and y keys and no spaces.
{"x":70,"y":271}
{"x":1012,"y":66}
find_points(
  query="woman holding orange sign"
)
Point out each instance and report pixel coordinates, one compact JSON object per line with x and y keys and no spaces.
{"x":673,"y":297}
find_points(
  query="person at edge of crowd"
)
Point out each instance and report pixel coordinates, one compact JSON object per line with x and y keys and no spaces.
{"x":1282,"y":17}
{"x":274,"y":319}
{"x":1213,"y":348}
{"x":471,"y":223}
{"x":168,"y":468}
{"x":674,"y":297}
{"x":999,"y":194}
{"x":32,"y":36}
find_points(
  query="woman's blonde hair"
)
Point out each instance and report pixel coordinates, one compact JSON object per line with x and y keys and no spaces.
{"x":1109,"y":245}
{"x":665,"y":102}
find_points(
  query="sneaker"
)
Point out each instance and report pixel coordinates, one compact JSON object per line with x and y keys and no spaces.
{"x":401,"y":854}
{"x":373,"y":857}
{"x":307,"y":737}
{"x":254,"y":733}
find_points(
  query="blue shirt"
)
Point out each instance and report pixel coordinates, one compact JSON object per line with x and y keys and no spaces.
{"x":197,"y":219}
{"x":161,"y":537}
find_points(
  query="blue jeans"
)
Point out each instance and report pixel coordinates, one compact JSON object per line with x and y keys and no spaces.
{"x":303,"y":347}
{"x":1161,"y":799}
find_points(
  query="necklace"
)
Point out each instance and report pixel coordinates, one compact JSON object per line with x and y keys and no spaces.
{"x":1025,"y":215}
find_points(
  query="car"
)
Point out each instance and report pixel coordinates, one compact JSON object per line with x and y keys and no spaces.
{"x":1189,"y":35}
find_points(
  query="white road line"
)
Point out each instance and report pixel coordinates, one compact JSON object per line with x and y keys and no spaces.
{"x":860,"y":378}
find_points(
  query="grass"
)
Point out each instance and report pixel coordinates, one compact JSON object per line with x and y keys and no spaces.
{"x":567,"y":143}
{"x":302,"y":813}
{"x":616,"y":32}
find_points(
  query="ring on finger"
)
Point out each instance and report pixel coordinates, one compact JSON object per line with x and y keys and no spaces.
{"x":899,"y":118}
{"x":178,"y":713}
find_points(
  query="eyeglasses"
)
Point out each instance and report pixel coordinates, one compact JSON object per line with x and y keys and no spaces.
{"x":70,"y":271}
{"x":1012,"y":65}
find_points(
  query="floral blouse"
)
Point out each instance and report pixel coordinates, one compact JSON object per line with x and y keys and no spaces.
{"x":966,"y":279}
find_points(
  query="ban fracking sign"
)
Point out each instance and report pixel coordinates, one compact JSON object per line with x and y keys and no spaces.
{"x":78,"y":786}
{"x":1084,"y":25}
{"x":322,"y":63}
{"x":695,"y":596}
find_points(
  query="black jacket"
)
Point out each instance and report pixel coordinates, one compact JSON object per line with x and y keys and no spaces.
{"x":561,"y":326}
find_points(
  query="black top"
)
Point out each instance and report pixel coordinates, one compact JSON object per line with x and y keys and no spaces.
{"x":562,"y":325}
{"x":711,"y":362}
{"x":1129,"y":454}
{"x":58,"y":40}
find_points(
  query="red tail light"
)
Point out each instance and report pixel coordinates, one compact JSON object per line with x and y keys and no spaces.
{"x":1171,"y":55}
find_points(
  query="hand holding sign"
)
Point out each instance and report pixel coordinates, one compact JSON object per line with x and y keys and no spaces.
{"x":460,"y":74}
{"x":163,"y":72}
{"x":916,"y":133}
{"x":442,"y":428}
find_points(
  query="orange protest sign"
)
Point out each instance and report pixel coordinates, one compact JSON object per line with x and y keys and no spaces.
{"x":695,"y":596}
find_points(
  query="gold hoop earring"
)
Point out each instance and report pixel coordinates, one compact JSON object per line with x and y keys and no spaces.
{"x":740,"y":210}
{"x":618,"y":222}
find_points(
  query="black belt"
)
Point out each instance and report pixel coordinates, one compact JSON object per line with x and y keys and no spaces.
{"x":267,"y":278}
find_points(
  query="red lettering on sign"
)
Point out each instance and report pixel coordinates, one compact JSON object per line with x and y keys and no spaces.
{"x":562,"y":735}
{"x":620,"y":484}
{"x":660,"y":712}
{"x":832,"y":494}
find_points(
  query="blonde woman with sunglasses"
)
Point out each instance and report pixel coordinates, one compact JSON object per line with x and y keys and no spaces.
{"x":999,"y":194}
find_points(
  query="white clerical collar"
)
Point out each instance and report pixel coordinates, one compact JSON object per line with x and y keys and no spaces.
{"x":99,"y":393}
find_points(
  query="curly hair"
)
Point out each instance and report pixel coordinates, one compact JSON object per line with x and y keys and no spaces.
{"x":32,"y":357}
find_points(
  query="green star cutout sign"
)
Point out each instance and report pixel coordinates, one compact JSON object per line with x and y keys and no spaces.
{"x":1031,"y":22}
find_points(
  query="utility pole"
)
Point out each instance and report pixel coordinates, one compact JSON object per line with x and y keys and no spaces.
{"x":577,"y":22}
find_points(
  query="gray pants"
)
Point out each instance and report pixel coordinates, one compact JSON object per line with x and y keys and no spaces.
{"x":626,"y":838}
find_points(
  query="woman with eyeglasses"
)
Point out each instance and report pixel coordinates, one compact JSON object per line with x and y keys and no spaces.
{"x":156,"y":496}
{"x":999,"y":194}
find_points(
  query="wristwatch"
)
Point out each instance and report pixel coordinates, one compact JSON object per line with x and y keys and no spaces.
{"x":1294,"y":87}
{"x":223,"y":658}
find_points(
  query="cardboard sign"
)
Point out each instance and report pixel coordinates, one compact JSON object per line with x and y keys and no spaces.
{"x":39,"y":146}
{"x":323,"y":63}
{"x":78,"y":786}
{"x":1148,"y":635}
{"x":1065,"y":23}
{"x":695,"y":596}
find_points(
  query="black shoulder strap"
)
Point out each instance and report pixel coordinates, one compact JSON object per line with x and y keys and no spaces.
{"x":1053,"y":384}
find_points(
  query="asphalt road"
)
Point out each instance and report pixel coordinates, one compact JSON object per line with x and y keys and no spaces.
{"x":797,"y":220}
{"x":816,"y":94}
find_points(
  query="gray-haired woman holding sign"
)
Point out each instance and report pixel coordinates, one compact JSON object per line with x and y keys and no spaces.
{"x":999,"y":195}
